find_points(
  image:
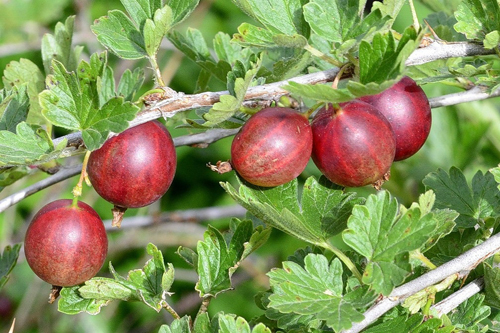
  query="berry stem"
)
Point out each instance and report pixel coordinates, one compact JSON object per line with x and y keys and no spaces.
{"x":156,"y":69}
{"x":322,"y":56}
{"x":416,"y":24}
{"x":345,"y":259}
{"x":423,"y":259}
{"x":204,"y":305}
{"x":77,"y":190}
{"x":311,"y":110}
{"x":171,"y":311}
{"x":336,"y":81}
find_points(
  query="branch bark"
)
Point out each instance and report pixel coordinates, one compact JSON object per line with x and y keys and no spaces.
{"x":181,"y":102}
{"x":457,"y":298}
{"x":268,"y":92}
{"x":460,"y":265}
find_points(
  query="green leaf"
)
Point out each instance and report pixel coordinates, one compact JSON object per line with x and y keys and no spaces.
{"x":101,"y":288}
{"x":181,"y":325}
{"x":141,"y":10}
{"x":491,"y":285}
{"x":14,"y":108}
{"x":443,"y":24}
{"x":226,"y":50}
{"x":119,"y":34}
{"x":445,"y":218}
{"x":278,"y":16}
{"x":181,"y":9}
{"x":492,"y":39}
{"x":382,"y":59}
{"x":71,"y":302}
{"x":319,"y":92}
{"x":8,"y":260}
{"x":251,"y":35}
{"x":24,"y":71}
{"x":322,"y":213}
{"x":73,"y":102}
{"x":475,"y":204}
{"x":153,"y":281}
{"x":291,"y":67}
{"x":384,"y":237}
{"x":150,"y":285}
{"x":11,"y":175}
{"x":389,"y":7}
{"x":217,"y":259}
{"x":156,"y":29}
{"x":29,"y":145}
{"x":59,"y":46}
{"x":229,"y":323}
{"x":339,"y":21}
{"x":188,"y":255}
{"x":470,"y":312}
{"x":325,"y":18}
{"x":316,"y":288}
{"x":194,"y":46}
{"x":395,"y":325}
{"x":130,"y":83}
{"x":477,"y":18}
{"x":229,"y":104}
{"x":326,"y":207}
{"x":201,"y":323}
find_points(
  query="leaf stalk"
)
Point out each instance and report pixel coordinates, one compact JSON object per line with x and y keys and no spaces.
{"x":346,"y":260}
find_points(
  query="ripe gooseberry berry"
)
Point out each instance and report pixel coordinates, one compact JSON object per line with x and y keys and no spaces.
{"x":407,"y":109}
{"x":273,"y":147}
{"x":66,"y":244}
{"x":353,"y":143}
{"x":134,"y":168}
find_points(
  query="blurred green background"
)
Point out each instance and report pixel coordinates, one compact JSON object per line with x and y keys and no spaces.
{"x":466,"y":136}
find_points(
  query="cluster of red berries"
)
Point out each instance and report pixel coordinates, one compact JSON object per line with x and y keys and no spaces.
{"x":352,"y":144}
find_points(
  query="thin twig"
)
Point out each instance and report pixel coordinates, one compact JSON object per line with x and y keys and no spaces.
{"x":181,"y":216}
{"x":454,"y":300}
{"x":462,"y":265}
{"x":63,"y":174}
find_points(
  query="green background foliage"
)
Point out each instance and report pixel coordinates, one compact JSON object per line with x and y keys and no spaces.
{"x":466,"y":136}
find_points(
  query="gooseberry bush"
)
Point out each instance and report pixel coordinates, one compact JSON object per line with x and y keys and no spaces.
{"x":378,"y":214}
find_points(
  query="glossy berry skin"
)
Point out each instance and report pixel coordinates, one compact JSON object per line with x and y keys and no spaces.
{"x":136,"y":167}
{"x":407,"y":109}
{"x":65,"y":245}
{"x":273,"y":147}
{"x":353,"y":144}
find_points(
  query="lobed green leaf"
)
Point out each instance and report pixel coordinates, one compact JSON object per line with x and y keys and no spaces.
{"x":79,"y":102}
{"x":150,"y":285}
{"x":475,"y":203}
{"x":219,"y":257}
{"x":19,"y":73}
{"x":377,"y":231}
{"x":59,"y":46}
{"x":119,"y":34}
{"x":477,"y":19}
{"x":316,"y":288}
{"x":322,"y":213}
{"x":30,"y":144}
{"x":71,"y":302}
